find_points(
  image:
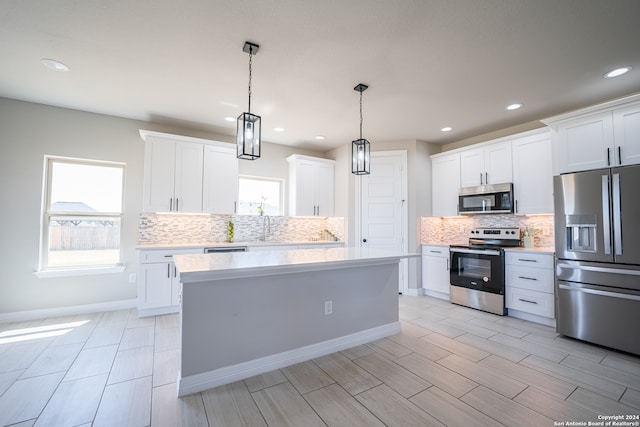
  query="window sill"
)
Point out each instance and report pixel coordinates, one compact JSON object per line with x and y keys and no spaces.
{"x":80,"y":271}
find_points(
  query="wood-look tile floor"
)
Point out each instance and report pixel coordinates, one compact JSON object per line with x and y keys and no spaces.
{"x":449,"y":366}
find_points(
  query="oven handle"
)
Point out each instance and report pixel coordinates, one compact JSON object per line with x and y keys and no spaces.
{"x":475,"y":251}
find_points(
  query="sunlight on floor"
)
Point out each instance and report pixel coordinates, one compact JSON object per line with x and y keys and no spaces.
{"x":46,"y":331}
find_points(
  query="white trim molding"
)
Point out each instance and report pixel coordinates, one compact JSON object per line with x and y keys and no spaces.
{"x":20,"y":316}
{"x":80,"y":271}
{"x":228,"y":374}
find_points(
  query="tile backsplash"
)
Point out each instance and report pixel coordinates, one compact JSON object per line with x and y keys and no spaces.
{"x":450,"y":230}
{"x":177,"y":228}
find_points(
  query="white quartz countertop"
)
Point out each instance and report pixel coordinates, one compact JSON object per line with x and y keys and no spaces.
{"x":228,"y":265}
{"x":195,"y":245}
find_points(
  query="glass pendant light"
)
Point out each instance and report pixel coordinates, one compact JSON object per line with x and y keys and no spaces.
{"x":249,"y":126}
{"x":360,"y":148}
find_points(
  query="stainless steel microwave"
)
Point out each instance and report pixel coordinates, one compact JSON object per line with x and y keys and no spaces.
{"x":497,"y":198}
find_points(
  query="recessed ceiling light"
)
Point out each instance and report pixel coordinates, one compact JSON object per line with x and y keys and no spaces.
{"x":52,"y":64}
{"x":617,"y":72}
{"x":513,"y":107}
{"x":446,"y":129}
{"x":230,"y":119}
{"x":278,"y":129}
{"x":319,"y":137}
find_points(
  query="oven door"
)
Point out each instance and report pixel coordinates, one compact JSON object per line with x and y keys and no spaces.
{"x":478,"y":269}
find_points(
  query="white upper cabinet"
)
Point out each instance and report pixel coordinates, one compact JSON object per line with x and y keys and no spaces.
{"x":626,"y":134}
{"x":445,"y":179}
{"x":191,"y":175}
{"x":532,"y":174}
{"x":490,"y":164}
{"x":603,"y":136}
{"x":220,"y":180}
{"x":311,"y":181}
{"x":172,"y":175}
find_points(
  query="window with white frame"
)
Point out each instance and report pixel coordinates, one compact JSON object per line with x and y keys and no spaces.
{"x":82,"y":213}
{"x":260,"y":196}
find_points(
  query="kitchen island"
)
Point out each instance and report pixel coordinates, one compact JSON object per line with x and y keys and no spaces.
{"x":243,"y":314}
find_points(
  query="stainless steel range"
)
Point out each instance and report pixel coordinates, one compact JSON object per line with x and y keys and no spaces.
{"x":477,"y":269}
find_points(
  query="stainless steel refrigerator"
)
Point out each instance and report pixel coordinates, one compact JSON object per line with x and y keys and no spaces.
{"x":597,"y":233}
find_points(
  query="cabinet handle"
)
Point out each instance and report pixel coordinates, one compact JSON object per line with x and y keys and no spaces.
{"x":168,"y":256}
{"x":177,"y":209}
{"x":608,"y":157}
{"x":527,"y":260}
{"x":448,"y":264}
{"x":526,"y":300}
{"x":486,"y":177}
{"x":516,"y":205}
{"x":175,"y":271}
{"x":171,"y":204}
{"x":318,"y":210}
{"x":168,"y":270}
{"x":235,"y":207}
{"x":619,"y":155}
{"x":480,"y":178}
{"x":436,"y":252}
{"x":527,"y":278}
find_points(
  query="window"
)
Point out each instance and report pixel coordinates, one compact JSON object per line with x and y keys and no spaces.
{"x":82,"y":213}
{"x":259,"y":195}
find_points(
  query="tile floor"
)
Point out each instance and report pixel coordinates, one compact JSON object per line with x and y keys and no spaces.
{"x":450,"y":366}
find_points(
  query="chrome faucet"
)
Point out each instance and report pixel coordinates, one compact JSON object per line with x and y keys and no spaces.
{"x":266,"y":229}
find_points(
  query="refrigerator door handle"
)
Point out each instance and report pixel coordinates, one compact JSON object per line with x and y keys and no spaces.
{"x":606,"y":222}
{"x":617,"y":224}
{"x":595,"y":269}
{"x":599,"y":292}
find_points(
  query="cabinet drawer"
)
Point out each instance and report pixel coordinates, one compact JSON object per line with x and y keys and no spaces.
{"x":535,"y":279}
{"x":534,"y":302}
{"x":149,"y":256}
{"x":435,"y":250}
{"x":528,"y":259}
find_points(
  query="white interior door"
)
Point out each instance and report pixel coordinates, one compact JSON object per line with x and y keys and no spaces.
{"x":383,"y":207}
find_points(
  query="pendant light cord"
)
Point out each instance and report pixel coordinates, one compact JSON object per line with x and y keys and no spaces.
{"x":250,"y":61}
{"x":360,"y":114}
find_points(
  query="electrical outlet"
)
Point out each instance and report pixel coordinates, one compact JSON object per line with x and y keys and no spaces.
{"x":132,"y":278}
{"x":328,"y":307}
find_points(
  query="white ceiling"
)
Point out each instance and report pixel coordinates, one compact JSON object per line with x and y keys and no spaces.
{"x":428,"y":63}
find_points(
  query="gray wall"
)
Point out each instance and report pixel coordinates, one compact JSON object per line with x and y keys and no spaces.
{"x":30,"y":131}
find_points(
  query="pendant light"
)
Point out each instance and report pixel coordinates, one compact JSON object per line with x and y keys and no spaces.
{"x":249,"y":126}
{"x":360,"y":148}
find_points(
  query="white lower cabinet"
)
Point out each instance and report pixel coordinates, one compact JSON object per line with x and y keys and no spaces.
{"x":159,"y":282}
{"x":529,"y":288}
{"x":435,"y":271}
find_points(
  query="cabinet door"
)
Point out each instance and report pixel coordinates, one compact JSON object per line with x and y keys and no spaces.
{"x":306,"y":189}
{"x":437,"y":274}
{"x":626,"y":127}
{"x":220,"y":180}
{"x":188,"y":177}
{"x":586,"y":143}
{"x":497,"y":163}
{"x":325,"y":190}
{"x":472,"y":170}
{"x":445,"y":181}
{"x":159,"y":175}
{"x":154,"y":285}
{"x":532,"y":174}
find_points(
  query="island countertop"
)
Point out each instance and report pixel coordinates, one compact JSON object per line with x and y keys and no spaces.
{"x":199,"y":267}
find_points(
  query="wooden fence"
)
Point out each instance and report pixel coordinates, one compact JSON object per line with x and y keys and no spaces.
{"x":71,"y":237}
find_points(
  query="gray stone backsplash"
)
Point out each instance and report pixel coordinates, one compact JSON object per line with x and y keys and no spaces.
{"x":451,"y":230}
{"x":184,"y":228}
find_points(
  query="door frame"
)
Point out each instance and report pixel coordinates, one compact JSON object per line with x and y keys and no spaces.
{"x":404,"y":216}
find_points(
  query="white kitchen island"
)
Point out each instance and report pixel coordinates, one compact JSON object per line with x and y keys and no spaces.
{"x":243,"y":314}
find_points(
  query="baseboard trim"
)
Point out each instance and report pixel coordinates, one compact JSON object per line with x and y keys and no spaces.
{"x":206,"y":380}
{"x":413,"y":292}
{"x":146,"y":312}
{"x":20,"y":316}
{"x":531,"y":317}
